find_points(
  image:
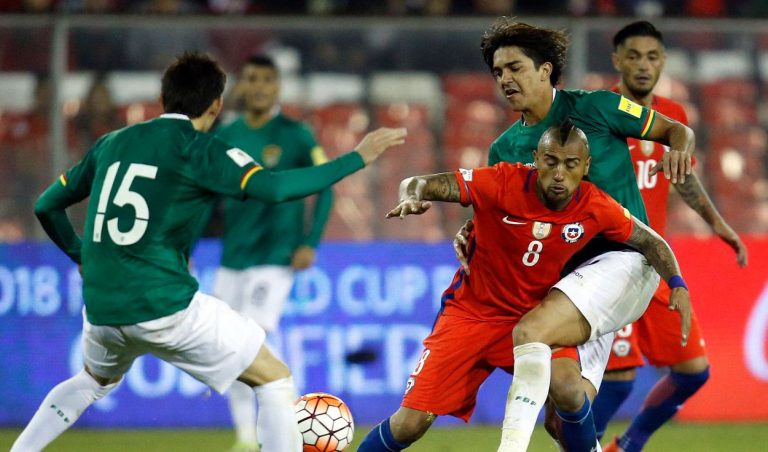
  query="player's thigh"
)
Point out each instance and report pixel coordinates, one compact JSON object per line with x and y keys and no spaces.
{"x":659,"y":334}
{"x":208,"y":340}
{"x":458,"y":356}
{"x":611,"y":290}
{"x":265,"y":290}
{"x":106,"y":353}
{"x":228,"y":286}
{"x":555,"y":322}
{"x":593,"y":357}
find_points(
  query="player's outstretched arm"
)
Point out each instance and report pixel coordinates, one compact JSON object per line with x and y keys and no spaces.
{"x":681,"y":140}
{"x":663,"y":260}
{"x":279,"y":186}
{"x":417,"y":192}
{"x":50,"y":210}
{"x":694,"y":194}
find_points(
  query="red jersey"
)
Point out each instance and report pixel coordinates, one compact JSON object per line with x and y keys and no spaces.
{"x":518,"y":247}
{"x":645,"y":155}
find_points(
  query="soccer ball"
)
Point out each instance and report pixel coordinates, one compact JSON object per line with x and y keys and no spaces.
{"x":325,"y":422}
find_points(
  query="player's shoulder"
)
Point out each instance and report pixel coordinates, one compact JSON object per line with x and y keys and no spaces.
{"x":591,"y":96}
{"x":508,"y":135}
{"x":669,"y":107}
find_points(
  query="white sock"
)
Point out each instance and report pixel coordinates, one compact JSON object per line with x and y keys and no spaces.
{"x":59,"y":410}
{"x":527,"y":395}
{"x":277,"y":425}
{"x":242,"y":405}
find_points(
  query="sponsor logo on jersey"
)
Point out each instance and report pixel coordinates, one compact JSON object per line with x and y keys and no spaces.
{"x":270,"y":155}
{"x":466,"y":174}
{"x":572,"y":232}
{"x":541,"y":230}
{"x":512,"y":222}
{"x":630,"y":108}
{"x":240,"y":157}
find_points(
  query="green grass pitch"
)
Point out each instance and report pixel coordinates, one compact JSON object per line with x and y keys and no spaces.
{"x":673,"y":437}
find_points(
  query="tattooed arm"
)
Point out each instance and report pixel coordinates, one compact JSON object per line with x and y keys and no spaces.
{"x":694,"y":194}
{"x":660,"y":256}
{"x":417,"y":192}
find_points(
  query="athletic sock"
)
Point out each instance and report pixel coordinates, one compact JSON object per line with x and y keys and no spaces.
{"x":526,"y":397}
{"x":662,"y":403}
{"x":277,"y":426}
{"x":578,"y":429}
{"x":380,"y":439}
{"x":242,"y":406}
{"x":612,"y":394}
{"x":59,"y":410}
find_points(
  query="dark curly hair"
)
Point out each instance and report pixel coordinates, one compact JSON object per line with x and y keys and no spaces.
{"x":540,"y":44}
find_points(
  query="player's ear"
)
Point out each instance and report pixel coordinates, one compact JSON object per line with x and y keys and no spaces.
{"x":586,"y":167}
{"x":545,"y":69}
{"x":615,"y":60}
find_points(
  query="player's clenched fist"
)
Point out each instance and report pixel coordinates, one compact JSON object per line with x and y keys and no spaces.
{"x":378,"y":141}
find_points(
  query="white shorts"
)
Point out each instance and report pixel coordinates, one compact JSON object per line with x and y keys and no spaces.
{"x":207,"y":340}
{"x":593,"y":357}
{"x":611,"y":290}
{"x":258,"y":292}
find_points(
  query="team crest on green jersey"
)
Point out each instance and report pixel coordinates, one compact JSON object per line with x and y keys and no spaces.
{"x":270,"y":155}
{"x":541,"y":230}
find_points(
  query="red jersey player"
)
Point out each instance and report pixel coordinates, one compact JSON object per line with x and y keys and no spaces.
{"x":528,"y":223}
{"x":639,"y":57}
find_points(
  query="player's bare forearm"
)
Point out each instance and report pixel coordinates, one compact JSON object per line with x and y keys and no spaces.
{"x":694,"y":194}
{"x":655,"y":249}
{"x":416,"y":192}
{"x":676,"y":162}
{"x":434,"y":187}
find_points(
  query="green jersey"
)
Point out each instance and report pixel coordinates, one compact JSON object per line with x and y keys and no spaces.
{"x":149,"y":184}
{"x":258,"y":233}
{"x":607,"y":119}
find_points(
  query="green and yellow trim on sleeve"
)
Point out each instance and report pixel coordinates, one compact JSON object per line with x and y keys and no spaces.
{"x":648,"y":123}
{"x":247,"y":175}
{"x":63,"y":180}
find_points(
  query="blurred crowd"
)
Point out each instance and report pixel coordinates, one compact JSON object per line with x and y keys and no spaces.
{"x":646,"y":8}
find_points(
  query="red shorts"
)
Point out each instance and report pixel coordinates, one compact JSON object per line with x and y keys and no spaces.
{"x":655,"y":335}
{"x":458,"y":357}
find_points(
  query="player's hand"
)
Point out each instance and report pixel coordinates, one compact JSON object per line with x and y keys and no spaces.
{"x":680,"y":301}
{"x":378,"y":141}
{"x":303,"y":257}
{"x":676,"y":165}
{"x":733,"y":240}
{"x":460,"y":242}
{"x":409,"y":206}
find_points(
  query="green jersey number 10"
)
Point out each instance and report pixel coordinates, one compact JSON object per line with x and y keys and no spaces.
{"x":123,"y":196}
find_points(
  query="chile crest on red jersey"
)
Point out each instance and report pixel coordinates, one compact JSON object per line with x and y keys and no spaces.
{"x":572,"y":232}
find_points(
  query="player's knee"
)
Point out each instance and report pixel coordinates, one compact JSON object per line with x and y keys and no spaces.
{"x":566,"y":390}
{"x":525,"y":332}
{"x":408,"y":426}
{"x":689,"y":383}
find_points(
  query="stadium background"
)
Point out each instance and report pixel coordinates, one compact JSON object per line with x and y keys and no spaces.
{"x":67,"y":77}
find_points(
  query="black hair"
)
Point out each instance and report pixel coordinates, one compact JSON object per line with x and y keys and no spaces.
{"x":639,"y":28}
{"x":261,"y":60}
{"x":566,"y":130}
{"x":191,"y":84}
{"x":540,"y":44}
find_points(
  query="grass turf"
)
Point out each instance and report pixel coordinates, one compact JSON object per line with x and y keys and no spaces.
{"x":673,"y":437}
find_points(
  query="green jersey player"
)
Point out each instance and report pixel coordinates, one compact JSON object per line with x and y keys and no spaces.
{"x":264,"y":243}
{"x":149,"y":184}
